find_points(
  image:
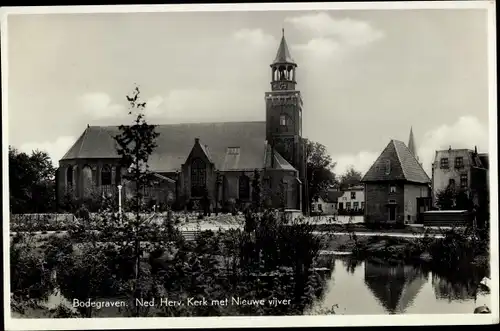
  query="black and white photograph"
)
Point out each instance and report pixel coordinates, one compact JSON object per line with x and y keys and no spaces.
{"x":320,"y":164}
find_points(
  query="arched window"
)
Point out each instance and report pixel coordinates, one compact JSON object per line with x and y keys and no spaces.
{"x":244,"y":187}
{"x":106,"y":175}
{"x":87,"y":180}
{"x":69,"y":176}
{"x":198,"y":177}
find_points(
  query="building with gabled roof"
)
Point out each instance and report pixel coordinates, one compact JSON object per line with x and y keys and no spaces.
{"x":394,"y":186}
{"x":220,"y":158}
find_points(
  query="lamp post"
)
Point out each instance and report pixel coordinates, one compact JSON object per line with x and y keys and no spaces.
{"x":120,"y":200}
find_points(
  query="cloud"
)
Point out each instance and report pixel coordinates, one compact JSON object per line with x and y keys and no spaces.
{"x":466,"y":132}
{"x":329,"y":36}
{"x":254,"y":38}
{"x":361,"y":161}
{"x":56,"y":149}
{"x":180,"y":105}
{"x":99,"y":105}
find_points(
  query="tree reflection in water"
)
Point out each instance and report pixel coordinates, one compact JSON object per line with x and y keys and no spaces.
{"x":459,"y":285}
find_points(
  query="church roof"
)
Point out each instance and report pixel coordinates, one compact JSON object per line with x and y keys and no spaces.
{"x":175,"y":142}
{"x":283,"y":54}
{"x":396,"y":162}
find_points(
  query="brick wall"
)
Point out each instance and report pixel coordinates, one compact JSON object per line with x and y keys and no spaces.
{"x":377,"y":196}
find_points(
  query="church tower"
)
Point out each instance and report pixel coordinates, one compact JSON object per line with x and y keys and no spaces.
{"x":284,"y":110}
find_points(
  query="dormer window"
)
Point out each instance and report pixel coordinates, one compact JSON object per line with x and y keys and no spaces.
{"x":233,"y":150}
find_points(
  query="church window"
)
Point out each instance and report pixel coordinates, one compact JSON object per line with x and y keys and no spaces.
{"x":69,"y":176}
{"x":198,"y":177}
{"x":87,"y":180}
{"x":244,"y":187}
{"x":106,"y":175}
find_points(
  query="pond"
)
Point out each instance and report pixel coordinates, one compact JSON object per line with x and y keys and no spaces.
{"x":374,"y":287}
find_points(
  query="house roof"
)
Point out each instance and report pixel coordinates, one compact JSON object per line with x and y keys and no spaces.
{"x":485,"y":160}
{"x":396,"y":162}
{"x":175,"y":142}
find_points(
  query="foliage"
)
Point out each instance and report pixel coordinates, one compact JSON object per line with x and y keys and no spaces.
{"x":452,"y":199}
{"x":31,"y":182}
{"x":320,"y":167}
{"x":350,"y":178}
{"x":30,"y":277}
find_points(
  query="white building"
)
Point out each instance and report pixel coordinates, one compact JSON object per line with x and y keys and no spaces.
{"x":352,"y":199}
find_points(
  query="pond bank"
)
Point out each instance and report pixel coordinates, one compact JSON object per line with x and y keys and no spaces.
{"x":396,"y":250}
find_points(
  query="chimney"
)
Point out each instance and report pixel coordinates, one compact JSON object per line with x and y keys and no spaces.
{"x":449,"y":148}
{"x":475,"y":149}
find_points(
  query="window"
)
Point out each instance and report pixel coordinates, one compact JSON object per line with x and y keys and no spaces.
{"x":353,"y":195}
{"x":106,"y":176}
{"x":459,"y":162}
{"x":444,"y":163}
{"x":463,"y":180}
{"x":233,"y":150}
{"x":341,"y":206}
{"x":362,"y":205}
{"x":244,"y":187}
{"x":69,"y":176}
{"x":356,"y":205}
{"x":451,"y":182}
{"x":282,"y":120}
{"x":87,"y":180}
{"x":392,"y":189}
{"x":348,"y":205}
{"x":267,"y":183}
{"x":387,"y":167}
{"x":320,"y":207}
{"x":198,"y":178}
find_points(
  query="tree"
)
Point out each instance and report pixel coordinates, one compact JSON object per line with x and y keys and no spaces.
{"x":350,"y":178}
{"x":136,"y":143}
{"x":452,"y":199}
{"x":31,"y":182}
{"x":320,"y":167}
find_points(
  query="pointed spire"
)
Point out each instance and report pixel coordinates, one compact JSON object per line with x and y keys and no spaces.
{"x":411,"y":143}
{"x":283,"y":54}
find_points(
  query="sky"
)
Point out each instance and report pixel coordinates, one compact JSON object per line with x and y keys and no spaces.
{"x":366,"y":76}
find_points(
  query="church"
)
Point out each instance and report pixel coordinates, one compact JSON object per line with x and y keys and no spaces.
{"x":218,"y":159}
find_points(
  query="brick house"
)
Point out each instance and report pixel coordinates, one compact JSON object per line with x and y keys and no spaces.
{"x":220,"y":158}
{"x":393,"y":186}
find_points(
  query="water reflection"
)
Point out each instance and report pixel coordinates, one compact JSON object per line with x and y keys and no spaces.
{"x":395,"y":287}
{"x":376,"y":287}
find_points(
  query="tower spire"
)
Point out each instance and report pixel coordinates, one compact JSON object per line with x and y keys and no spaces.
{"x":411,"y":144}
{"x":283,"y":55}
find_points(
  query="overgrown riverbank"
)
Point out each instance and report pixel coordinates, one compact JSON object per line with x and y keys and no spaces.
{"x":457,"y":249}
